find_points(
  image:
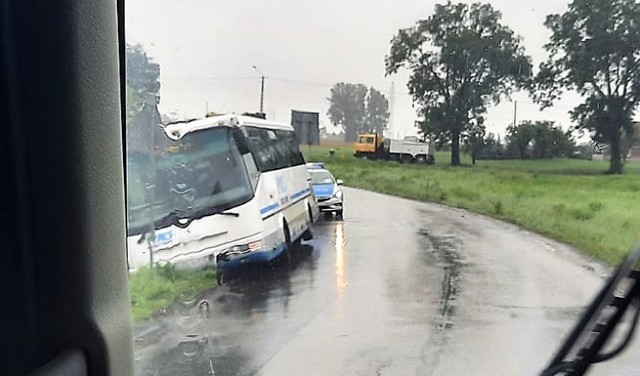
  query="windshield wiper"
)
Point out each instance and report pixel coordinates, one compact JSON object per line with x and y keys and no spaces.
{"x":584,"y":345}
{"x":182,"y":218}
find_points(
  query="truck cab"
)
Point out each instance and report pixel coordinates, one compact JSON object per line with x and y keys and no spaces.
{"x":368,"y":145}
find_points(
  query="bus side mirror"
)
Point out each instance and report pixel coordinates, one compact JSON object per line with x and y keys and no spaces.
{"x":339,"y":182}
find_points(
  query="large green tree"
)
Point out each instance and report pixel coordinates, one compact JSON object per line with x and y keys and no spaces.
{"x":347,"y":108}
{"x":519,"y":137}
{"x":377,"y":112}
{"x":595,"y":50}
{"x":539,"y":139}
{"x":461,"y":59}
{"x":357,"y":109}
{"x":143,"y":81}
{"x":549,"y":141}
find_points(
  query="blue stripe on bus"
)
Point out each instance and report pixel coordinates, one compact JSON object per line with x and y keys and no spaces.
{"x":267,"y":211}
{"x":299,"y":194}
{"x":269,"y":208}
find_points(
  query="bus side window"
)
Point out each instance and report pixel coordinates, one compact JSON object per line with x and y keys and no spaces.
{"x":294,"y":149}
{"x":273,"y":149}
{"x":285,"y":149}
{"x":262,"y":146}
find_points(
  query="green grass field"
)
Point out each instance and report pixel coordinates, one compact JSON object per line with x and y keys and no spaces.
{"x":151,"y":290}
{"x":572,"y":201}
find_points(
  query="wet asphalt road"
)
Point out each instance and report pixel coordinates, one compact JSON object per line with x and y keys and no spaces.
{"x":397,"y":288}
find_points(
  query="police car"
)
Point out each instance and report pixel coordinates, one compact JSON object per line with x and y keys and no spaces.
{"x":327,"y":190}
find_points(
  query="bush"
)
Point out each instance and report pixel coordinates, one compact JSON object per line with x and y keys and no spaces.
{"x":497,"y":208}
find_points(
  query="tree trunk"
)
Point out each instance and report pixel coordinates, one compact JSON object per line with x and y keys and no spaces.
{"x":455,"y":149}
{"x":615,"y":167}
{"x":350,"y":134}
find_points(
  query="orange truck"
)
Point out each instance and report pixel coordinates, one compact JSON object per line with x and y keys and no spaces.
{"x":409,"y":150}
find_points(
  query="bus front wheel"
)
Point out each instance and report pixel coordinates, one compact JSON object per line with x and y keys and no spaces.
{"x":288,"y":244}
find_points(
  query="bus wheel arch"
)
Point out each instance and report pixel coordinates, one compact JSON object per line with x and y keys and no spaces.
{"x":288,"y":243}
{"x":309,"y":212}
{"x":308,"y":234}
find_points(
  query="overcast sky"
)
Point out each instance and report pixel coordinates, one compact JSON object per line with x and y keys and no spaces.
{"x":206,"y":50}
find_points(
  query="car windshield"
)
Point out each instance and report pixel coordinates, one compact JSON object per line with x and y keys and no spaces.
{"x":321,"y":177}
{"x":202,"y":170}
{"x":488,"y":160}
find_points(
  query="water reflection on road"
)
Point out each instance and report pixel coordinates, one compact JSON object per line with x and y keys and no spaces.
{"x":340,"y":246}
{"x":397,"y":288}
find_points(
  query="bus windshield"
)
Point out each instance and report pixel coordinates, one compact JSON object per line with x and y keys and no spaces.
{"x":202,"y":170}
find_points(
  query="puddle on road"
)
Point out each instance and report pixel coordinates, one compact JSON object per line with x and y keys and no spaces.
{"x":192,"y":337}
{"x":441,"y":252}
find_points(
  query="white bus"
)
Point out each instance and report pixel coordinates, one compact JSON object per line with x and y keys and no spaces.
{"x":224,"y":190}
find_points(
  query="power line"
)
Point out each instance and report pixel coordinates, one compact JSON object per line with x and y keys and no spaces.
{"x":299,"y":82}
{"x":210,"y":78}
{"x":311,"y":83}
{"x":277,"y":79}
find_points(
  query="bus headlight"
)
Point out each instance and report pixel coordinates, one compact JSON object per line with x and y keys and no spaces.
{"x":255,"y":246}
{"x":238,"y":250}
{"x":338,"y":195}
{"x":241,"y":248}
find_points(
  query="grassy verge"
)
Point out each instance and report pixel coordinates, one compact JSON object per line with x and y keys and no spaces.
{"x":568,"y":200}
{"x":153,"y":289}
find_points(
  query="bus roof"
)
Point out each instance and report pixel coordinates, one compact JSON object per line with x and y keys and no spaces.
{"x":177,"y":130}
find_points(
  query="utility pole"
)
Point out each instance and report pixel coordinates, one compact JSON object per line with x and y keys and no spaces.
{"x":262,"y":95}
{"x":261,"y":88}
